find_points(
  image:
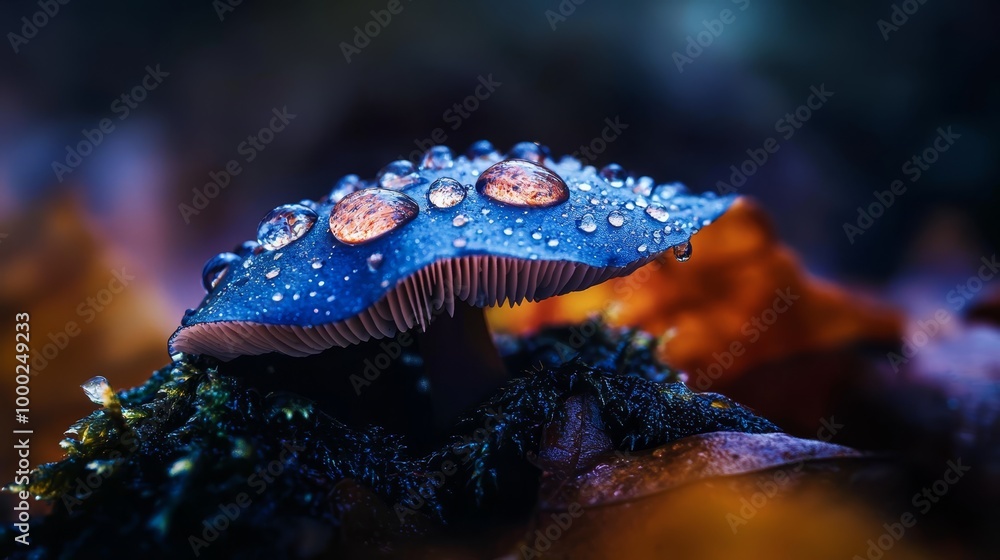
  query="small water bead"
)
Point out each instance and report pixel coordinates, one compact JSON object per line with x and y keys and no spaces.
{"x":366,"y":215}
{"x":310,"y":204}
{"x":316,"y":264}
{"x":437,"y":158}
{"x":584,"y":186}
{"x":508,"y":231}
{"x":616,"y":218}
{"x":98,"y":390}
{"x":398,"y":175}
{"x":374,"y":261}
{"x":460,"y":220}
{"x":524,"y":184}
{"x":216,"y":269}
{"x":657,"y":212}
{"x":460,"y":242}
{"x":553,"y":243}
{"x":657,"y":236}
{"x":272,"y":274}
{"x":247,"y":248}
{"x":668,"y":190}
{"x":482,"y":151}
{"x":285,"y":224}
{"x":445,"y":193}
{"x":641,"y":248}
{"x":614,"y":174}
{"x":277,"y":296}
{"x":682,"y":252}
{"x":537,"y":236}
{"x":530,"y":151}
{"x":644,"y":186}
{"x":587,"y":223}
{"x":641,"y":202}
{"x":345,"y":186}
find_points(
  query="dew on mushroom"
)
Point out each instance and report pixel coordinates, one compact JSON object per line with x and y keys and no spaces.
{"x":530,"y":151}
{"x":374,"y":261}
{"x":345,"y":186}
{"x":437,"y":158}
{"x":216,"y":269}
{"x":482,"y":152}
{"x":657,"y":212}
{"x":398,"y":175}
{"x":682,"y":252}
{"x":285,"y":224}
{"x":614,"y":174}
{"x":366,"y":215}
{"x":521,"y":183}
{"x":587,"y":223}
{"x":460,"y":220}
{"x":445,"y":193}
{"x":616,"y":218}
{"x":272,"y":274}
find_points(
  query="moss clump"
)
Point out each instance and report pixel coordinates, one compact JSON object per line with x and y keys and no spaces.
{"x":194,"y":462}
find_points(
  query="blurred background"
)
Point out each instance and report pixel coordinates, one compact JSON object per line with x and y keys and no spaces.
{"x":116,"y":116}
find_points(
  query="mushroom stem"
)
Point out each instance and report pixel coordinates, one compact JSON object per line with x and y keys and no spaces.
{"x":461,"y":362}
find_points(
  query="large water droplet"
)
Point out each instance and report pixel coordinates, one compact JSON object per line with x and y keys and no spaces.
{"x":247,"y":248}
{"x":518,"y":182}
{"x":614,"y":174}
{"x":98,"y":390}
{"x":345,"y":186}
{"x":657,"y":212}
{"x":374,"y":261}
{"x":217,"y":268}
{"x":445,"y":192}
{"x":398,"y":175}
{"x":438,"y":157}
{"x":682,"y":252}
{"x":529,"y":151}
{"x":587,"y":223}
{"x":284,"y":224}
{"x":369,"y":214}
{"x":616,"y":218}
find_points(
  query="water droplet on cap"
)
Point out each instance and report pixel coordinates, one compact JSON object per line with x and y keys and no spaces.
{"x":285,"y":224}
{"x":445,"y":193}
{"x":614,"y":174}
{"x":438,"y":157}
{"x":216,"y":269}
{"x":657,"y":212}
{"x":459,"y":242}
{"x":587,"y":223}
{"x":374,"y":261}
{"x":366,"y":215}
{"x":345,"y":186}
{"x":482,"y":151}
{"x":616,"y":218}
{"x":518,"y":182}
{"x":272,"y":274}
{"x":398,"y":175}
{"x":460,"y":220}
{"x":247,"y":248}
{"x":528,"y":150}
{"x":682,"y":252}
{"x":277,"y":296}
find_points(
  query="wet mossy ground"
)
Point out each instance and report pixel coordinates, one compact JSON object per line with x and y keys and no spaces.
{"x":196,"y":462}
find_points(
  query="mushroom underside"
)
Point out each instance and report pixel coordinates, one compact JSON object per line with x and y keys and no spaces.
{"x":479,"y":280}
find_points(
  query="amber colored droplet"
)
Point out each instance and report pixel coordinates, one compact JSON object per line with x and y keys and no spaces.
{"x":519,"y":182}
{"x":366,"y":215}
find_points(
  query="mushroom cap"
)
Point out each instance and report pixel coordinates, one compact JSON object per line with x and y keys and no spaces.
{"x":318,"y":292}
